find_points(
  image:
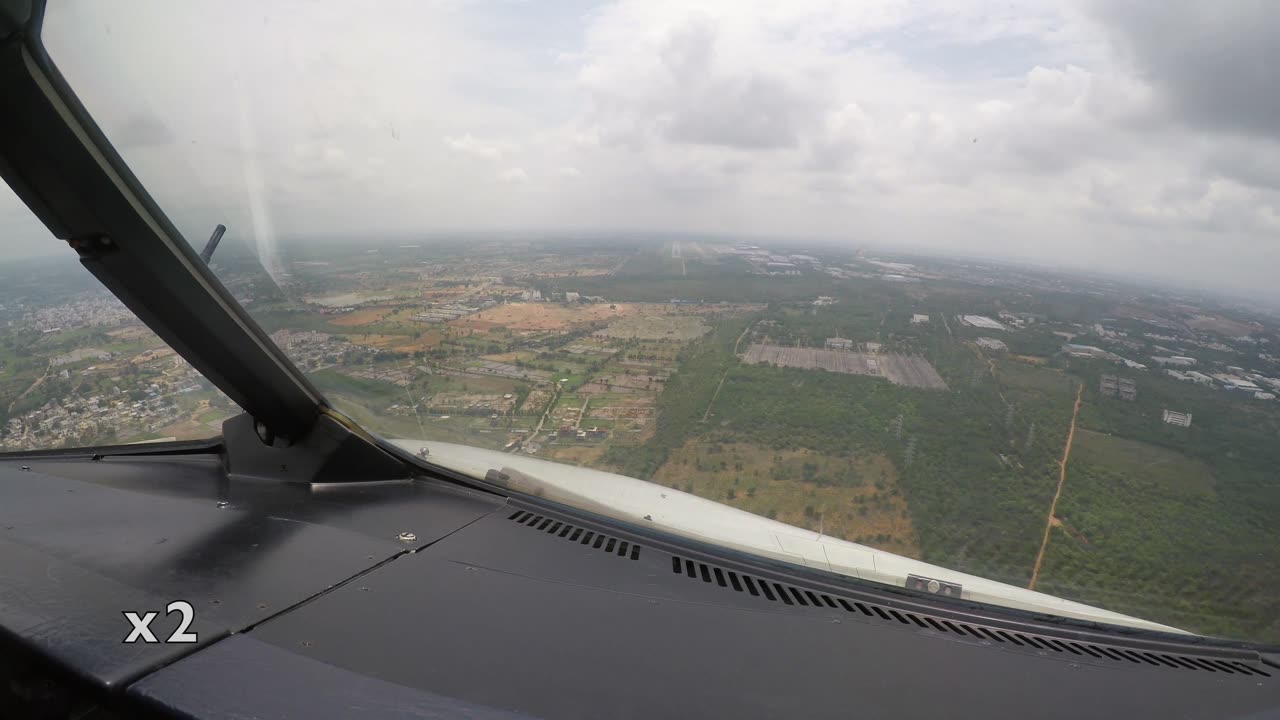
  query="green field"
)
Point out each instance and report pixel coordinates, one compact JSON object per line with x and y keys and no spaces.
{"x":1151,"y":468}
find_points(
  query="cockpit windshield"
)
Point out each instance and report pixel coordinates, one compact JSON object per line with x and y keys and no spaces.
{"x":976,"y":293}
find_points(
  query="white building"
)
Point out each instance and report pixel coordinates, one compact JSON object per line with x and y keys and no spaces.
{"x":981,"y":321}
{"x":991,"y":344}
{"x":1199,"y":378}
{"x":1231,"y":382}
{"x":1177,"y":418}
{"x":918,"y":319}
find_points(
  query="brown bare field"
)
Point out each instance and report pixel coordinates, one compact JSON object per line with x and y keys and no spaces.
{"x":510,"y":357}
{"x":848,"y":510}
{"x":1030,"y":359}
{"x":587,"y":455}
{"x":132,"y":332}
{"x":656,"y":327}
{"x":402,"y":343}
{"x":536,"y":402}
{"x":187,"y":430}
{"x":149,"y":355}
{"x":574,"y":273}
{"x":362,"y":317}
{"x":623,"y":409}
{"x":549,"y":316}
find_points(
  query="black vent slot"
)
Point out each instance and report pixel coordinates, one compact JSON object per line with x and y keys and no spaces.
{"x":572,"y":533}
{"x":776,"y":592}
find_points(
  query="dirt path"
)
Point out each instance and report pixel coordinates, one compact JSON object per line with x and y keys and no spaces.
{"x":991,"y":365}
{"x":707,"y":413}
{"x":1062,"y":478}
{"x":738,"y":342}
{"x":477,"y":289}
{"x":555,"y":397}
{"x":39,"y":381}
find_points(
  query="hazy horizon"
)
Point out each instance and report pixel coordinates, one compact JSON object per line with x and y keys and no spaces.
{"x":50,"y":249}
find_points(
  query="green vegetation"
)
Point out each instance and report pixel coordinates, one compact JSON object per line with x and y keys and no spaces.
{"x":372,"y":392}
{"x":969,"y":509}
{"x":1147,"y":467}
{"x":843,"y":495}
{"x":682,"y":402}
{"x":858,"y":316}
{"x":1155,"y":543}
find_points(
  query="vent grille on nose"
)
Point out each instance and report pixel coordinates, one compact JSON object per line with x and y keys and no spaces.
{"x":582,"y":536}
{"x":790,"y":595}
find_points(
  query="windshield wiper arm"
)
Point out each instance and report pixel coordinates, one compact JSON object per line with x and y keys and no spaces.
{"x":212,"y":245}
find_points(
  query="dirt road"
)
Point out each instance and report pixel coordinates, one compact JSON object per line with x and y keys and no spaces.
{"x":39,"y":381}
{"x":555,"y":396}
{"x":707,"y":413}
{"x":1062,"y":478}
{"x":738,"y":342}
{"x":991,"y":364}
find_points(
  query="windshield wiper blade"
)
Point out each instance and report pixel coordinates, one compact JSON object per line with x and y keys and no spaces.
{"x":212,"y":245}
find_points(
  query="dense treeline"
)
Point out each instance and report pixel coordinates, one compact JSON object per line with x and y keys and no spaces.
{"x":1137,"y":545}
{"x":1204,"y":561}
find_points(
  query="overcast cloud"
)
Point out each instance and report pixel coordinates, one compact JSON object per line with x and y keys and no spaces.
{"x":1139,"y":134}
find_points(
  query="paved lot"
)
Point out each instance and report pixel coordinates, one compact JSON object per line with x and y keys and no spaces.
{"x":910,"y":370}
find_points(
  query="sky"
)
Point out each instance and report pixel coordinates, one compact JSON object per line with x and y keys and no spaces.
{"x":1134,"y":136}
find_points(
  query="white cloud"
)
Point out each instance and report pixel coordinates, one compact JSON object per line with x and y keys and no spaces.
{"x":513,"y":175}
{"x":1057,"y":130}
{"x":468,"y":145}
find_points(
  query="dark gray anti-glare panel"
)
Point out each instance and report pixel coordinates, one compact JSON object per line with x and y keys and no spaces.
{"x":74,"y":556}
{"x":508,"y":616}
